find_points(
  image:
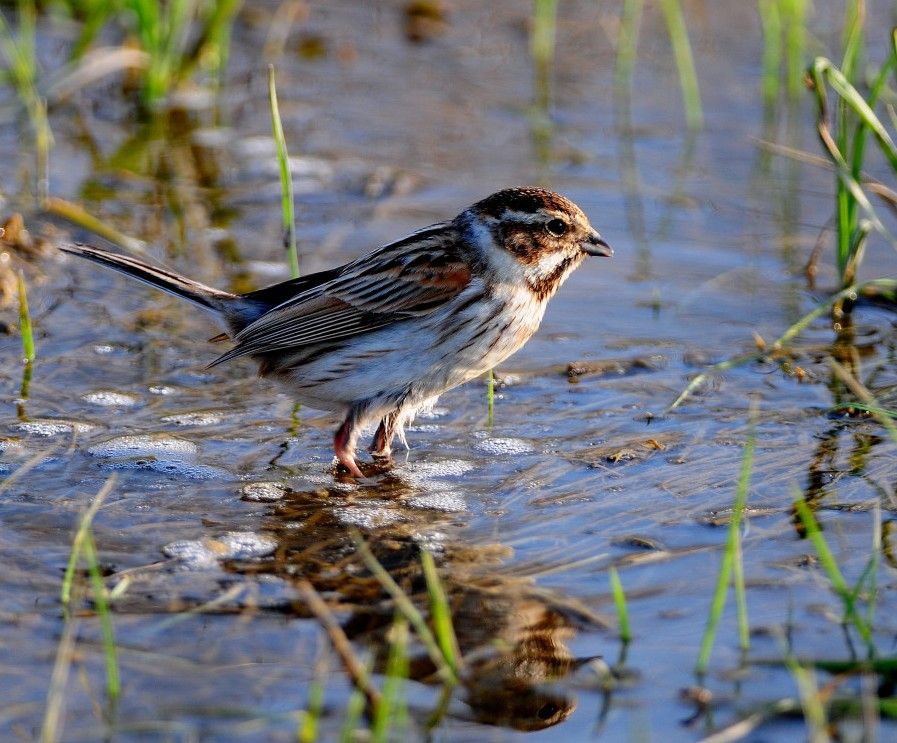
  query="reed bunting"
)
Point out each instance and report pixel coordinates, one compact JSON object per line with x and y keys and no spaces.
{"x":383,"y":336}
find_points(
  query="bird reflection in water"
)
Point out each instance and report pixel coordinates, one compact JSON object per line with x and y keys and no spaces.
{"x":512,"y":636}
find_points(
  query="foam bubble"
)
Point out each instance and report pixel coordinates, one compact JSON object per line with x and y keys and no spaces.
{"x":149,"y":445}
{"x":50,"y":427}
{"x":503,"y":446}
{"x":263,"y":492}
{"x":110,"y":398}
{"x":198,"y":418}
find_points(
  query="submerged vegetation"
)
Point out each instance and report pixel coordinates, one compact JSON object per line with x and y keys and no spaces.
{"x":415,"y":629}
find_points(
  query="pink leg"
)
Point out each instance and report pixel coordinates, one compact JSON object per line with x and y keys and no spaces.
{"x":344,"y":446}
{"x":381,"y":446}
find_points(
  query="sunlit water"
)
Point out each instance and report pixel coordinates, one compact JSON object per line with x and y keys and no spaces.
{"x":225,"y":494}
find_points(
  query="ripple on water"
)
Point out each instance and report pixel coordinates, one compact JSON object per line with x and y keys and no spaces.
{"x":232,"y":545}
{"x":110,"y":398}
{"x":170,"y":467}
{"x":447,"y":501}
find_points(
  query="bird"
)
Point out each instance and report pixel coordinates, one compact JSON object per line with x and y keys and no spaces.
{"x":383,"y":336}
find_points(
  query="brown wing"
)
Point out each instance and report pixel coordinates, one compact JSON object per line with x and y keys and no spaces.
{"x":408,"y":278}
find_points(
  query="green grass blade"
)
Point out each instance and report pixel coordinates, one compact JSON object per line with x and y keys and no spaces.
{"x":627,"y":43}
{"x":866,"y":398}
{"x":616,"y":588}
{"x":542,"y":45}
{"x":830,"y":566}
{"x":794,"y":13}
{"x":286,"y":179}
{"x":100,"y":600}
{"x":685,"y":63}
{"x":850,"y":292}
{"x":440,"y":613}
{"x":407,"y":608}
{"x":744,"y":483}
{"x":810,"y":700}
{"x":397,"y":664}
{"x":25,"y":321}
{"x":490,"y":398}
{"x":309,"y":725}
{"x":51,"y":727}
{"x":823,"y":68}
{"x":729,"y":553}
{"x":771,"y":23}
{"x":354,"y":709}
{"x":84,"y":525}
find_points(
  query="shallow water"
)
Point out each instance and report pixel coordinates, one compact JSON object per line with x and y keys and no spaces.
{"x":224,"y":494}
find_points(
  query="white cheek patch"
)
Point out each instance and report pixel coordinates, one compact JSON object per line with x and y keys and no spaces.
{"x":549,"y":264}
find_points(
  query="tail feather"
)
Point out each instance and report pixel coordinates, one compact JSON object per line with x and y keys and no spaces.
{"x":223,"y":304}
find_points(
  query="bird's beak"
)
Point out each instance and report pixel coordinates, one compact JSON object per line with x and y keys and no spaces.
{"x":594,"y":244}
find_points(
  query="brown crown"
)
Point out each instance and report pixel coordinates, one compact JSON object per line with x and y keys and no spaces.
{"x":527,"y":200}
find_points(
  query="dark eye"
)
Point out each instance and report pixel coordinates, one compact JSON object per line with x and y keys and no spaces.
{"x":556,"y":227}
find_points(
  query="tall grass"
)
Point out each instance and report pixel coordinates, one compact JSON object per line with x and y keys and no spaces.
{"x":177,"y":36}
{"x":793,"y":331}
{"x":839,"y":585}
{"x":25,"y":326}
{"x":685,"y":64}
{"x":542,"y":45}
{"x":784,"y":25}
{"x":83,"y":545}
{"x":20,"y":53}
{"x":677,"y":29}
{"x":844,"y":134}
{"x":286,"y":179}
{"x":731,"y":561}
{"x":387,"y":708}
{"x":392,"y":710}
{"x":446,"y":665}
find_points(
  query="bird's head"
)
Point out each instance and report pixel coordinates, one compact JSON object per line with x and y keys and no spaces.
{"x":531,"y":234}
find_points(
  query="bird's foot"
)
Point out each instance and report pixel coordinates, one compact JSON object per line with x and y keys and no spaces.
{"x":344,"y":447}
{"x":348,"y":463}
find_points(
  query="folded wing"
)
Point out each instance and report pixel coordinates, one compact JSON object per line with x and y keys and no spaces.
{"x":409,"y":278}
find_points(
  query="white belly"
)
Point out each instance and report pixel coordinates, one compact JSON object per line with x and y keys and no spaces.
{"x":411,"y":362}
